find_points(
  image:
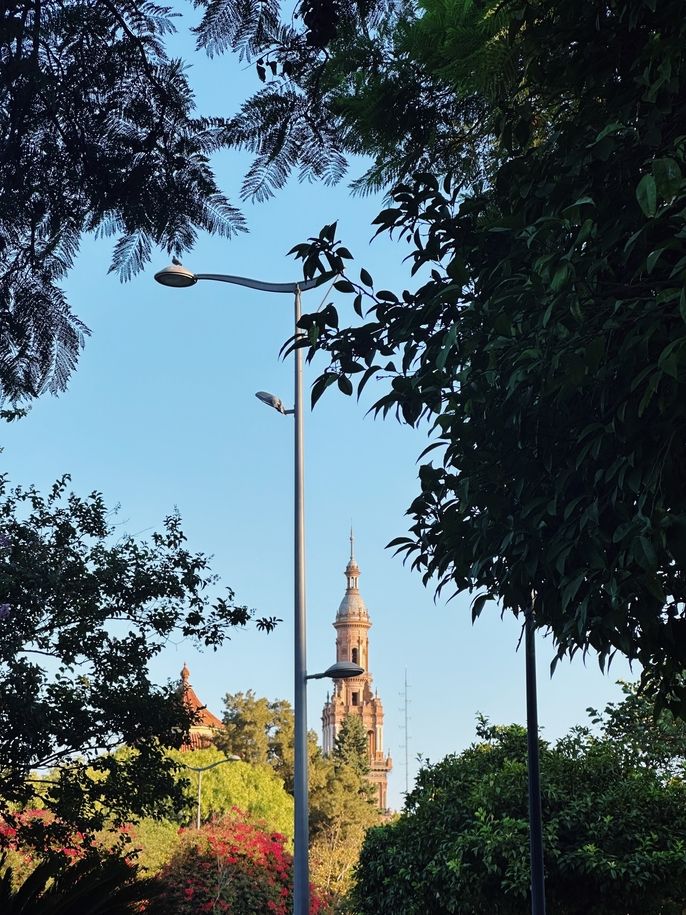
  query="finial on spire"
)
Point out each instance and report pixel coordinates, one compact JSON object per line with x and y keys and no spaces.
{"x":185,"y":673}
{"x":352,"y":544}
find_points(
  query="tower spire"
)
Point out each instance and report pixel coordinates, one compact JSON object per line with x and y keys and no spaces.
{"x":355,"y":696}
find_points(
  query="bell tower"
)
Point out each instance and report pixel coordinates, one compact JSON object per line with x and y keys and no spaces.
{"x":354,"y":696}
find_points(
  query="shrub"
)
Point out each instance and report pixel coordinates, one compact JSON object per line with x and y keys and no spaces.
{"x":232,"y":865}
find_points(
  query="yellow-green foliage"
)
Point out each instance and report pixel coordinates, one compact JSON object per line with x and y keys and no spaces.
{"x":254,"y":789}
{"x":155,"y":842}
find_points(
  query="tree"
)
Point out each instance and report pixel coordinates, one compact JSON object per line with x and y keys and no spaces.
{"x":351,"y":745}
{"x":261,"y":731}
{"x":342,"y":809}
{"x":645,"y":740}
{"x":341,"y":804}
{"x":97,"y":136}
{"x":541,"y":158}
{"x":613,"y":834}
{"x":81,"y":615}
{"x":253,"y":726}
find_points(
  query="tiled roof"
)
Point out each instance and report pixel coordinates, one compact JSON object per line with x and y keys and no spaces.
{"x":202,"y":715}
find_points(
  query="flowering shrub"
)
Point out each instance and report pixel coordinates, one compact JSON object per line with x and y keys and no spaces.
{"x":232,"y":866}
{"x":23,"y":857}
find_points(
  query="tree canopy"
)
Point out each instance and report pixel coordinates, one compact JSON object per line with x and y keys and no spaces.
{"x":540,"y":153}
{"x":98,"y":134}
{"x":613,"y":834}
{"x":84,"y":609}
{"x":341,"y":803}
{"x":254,"y":789}
{"x":350,"y":748}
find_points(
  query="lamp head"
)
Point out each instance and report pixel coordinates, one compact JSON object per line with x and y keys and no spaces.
{"x":271,"y":400}
{"x":177,"y":276}
{"x":341,"y":670}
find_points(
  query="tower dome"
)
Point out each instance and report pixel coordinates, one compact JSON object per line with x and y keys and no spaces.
{"x":354,"y":695}
{"x":352,"y":607}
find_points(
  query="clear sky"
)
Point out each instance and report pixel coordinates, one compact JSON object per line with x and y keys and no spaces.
{"x":161,"y":413}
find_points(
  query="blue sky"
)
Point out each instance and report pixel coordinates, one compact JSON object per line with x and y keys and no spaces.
{"x":161,"y":414}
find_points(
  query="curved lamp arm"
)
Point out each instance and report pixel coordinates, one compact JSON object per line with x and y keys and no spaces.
{"x":303,"y":285}
{"x":211,"y":765}
{"x":180,"y":277}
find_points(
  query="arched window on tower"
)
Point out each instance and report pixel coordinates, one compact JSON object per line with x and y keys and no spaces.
{"x":355,"y":656}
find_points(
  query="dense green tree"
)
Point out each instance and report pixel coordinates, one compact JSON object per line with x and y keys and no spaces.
{"x":253,"y":726}
{"x":541,"y":152}
{"x":82,"y":613}
{"x":97,"y":134}
{"x":340,"y":798}
{"x":261,"y":731}
{"x":351,"y":745}
{"x":657,"y":742}
{"x":613,"y":834}
{"x":342,"y":809}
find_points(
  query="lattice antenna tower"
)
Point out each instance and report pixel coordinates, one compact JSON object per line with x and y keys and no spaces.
{"x":406,"y":733}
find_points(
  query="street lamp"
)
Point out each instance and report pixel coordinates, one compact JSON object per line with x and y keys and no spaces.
{"x":179,"y":277}
{"x":200,"y":770}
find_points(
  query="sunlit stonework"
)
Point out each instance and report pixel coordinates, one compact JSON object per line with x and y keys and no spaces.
{"x":354,"y":696}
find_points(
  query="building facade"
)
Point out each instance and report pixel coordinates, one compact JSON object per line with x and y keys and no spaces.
{"x":355,"y":696}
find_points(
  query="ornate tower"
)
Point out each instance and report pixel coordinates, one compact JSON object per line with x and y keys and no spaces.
{"x":355,"y":696}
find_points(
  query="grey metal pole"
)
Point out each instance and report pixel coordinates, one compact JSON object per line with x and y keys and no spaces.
{"x":535,"y":815}
{"x":197,"y":819}
{"x":301,"y":876}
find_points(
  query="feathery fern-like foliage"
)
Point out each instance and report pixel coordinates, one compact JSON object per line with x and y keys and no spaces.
{"x":91,"y":886}
{"x":96,"y":134}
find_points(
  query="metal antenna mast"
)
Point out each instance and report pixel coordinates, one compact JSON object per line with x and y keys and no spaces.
{"x":406,"y":745}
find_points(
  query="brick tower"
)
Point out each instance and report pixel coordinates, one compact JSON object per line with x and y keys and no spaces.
{"x":355,"y":696}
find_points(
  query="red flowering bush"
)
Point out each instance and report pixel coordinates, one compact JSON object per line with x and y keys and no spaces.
{"x":233,"y":866}
{"x":23,"y":856}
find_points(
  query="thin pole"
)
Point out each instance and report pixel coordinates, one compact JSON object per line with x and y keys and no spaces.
{"x":407,"y":742}
{"x":535,"y":815}
{"x":301,"y":878}
{"x":197,"y":820}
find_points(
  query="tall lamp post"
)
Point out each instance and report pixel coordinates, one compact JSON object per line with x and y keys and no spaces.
{"x":200,"y":770}
{"x":533,"y":768}
{"x":179,"y":277}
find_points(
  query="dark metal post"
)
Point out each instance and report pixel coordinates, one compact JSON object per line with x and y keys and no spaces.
{"x":535,"y":816}
{"x":301,"y":877}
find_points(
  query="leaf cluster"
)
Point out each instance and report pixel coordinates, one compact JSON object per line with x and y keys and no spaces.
{"x":92,"y":886}
{"x":82,"y":613}
{"x":545,"y":341}
{"x":98,"y":136}
{"x":613,"y":834}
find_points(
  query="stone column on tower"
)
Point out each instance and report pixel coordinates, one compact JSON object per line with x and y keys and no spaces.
{"x":354,"y":696}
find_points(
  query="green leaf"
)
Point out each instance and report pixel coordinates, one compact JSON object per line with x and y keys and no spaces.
{"x":344,"y":286}
{"x":570,"y":590}
{"x":652,"y":259}
{"x":478,"y":604}
{"x":345,"y":385}
{"x":562,"y":276}
{"x":448,"y":342}
{"x":366,"y":278}
{"x":646,"y":194}
{"x":668,"y":177}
